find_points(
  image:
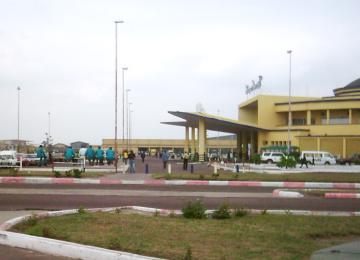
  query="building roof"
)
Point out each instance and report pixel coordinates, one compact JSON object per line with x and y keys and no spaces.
{"x":353,"y":88}
{"x":353,"y":84}
{"x":212,"y":122}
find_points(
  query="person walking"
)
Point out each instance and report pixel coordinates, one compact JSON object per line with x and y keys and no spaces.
{"x":99,"y":156}
{"x":69,"y":154}
{"x":165,"y":158}
{"x":110,"y":156}
{"x":132,"y":161}
{"x":125,"y":157}
{"x":90,"y":155}
{"x":40,"y":153}
{"x":304,"y":161}
{"x":142,"y":156}
{"x":185,"y":161}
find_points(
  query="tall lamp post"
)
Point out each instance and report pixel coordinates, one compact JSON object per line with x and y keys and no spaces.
{"x":127,"y":118}
{"x":130,"y":123}
{"x":18,"y":121}
{"x":289,"y":116}
{"x":116,"y":73}
{"x":123,"y":102}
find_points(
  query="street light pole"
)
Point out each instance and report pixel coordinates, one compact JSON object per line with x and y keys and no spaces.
{"x":49,"y":125}
{"x":116,"y":73}
{"x":123,"y":102}
{"x":127,"y":118}
{"x":129,"y":123}
{"x":18,"y":125}
{"x":289,"y":116}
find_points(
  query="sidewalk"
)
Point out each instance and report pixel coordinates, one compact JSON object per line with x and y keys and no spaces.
{"x":10,"y":253}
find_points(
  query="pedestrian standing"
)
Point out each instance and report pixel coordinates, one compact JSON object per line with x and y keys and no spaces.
{"x":142,"y":156}
{"x":69,"y":154}
{"x":132,"y":161}
{"x":165,"y":158}
{"x":110,"y":156}
{"x":40,"y":153}
{"x":90,"y":155}
{"x":99,"y":156}
{"x":185,"y":162}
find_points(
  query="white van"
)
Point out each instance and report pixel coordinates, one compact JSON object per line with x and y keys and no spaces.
{"x":318,"y":157}
{"x":8,"y":158}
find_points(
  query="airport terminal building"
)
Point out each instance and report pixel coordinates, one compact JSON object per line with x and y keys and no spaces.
{"x":329,"y":124}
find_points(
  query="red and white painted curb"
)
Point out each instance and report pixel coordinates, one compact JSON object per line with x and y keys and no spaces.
{"x":279,"y":184}
{"x":331,"y":195}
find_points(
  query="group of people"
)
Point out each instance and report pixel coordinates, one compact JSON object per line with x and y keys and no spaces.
{"x":99,"y":155}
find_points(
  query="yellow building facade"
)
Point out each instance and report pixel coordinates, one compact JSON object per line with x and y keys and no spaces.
{"x":329,"y":124}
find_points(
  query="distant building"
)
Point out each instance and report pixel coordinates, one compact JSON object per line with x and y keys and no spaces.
{"x":329,"y":124}
{"x":24,"y":145}
{"x":77,"y":145}
{"x":59,"y":148}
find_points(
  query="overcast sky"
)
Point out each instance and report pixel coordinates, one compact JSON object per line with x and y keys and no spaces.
{"x":179,"y":53}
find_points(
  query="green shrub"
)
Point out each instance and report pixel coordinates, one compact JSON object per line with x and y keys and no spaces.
{"x":168,"y":176}
{"x":240,"y":212}
{"x":194,"y":210}
{"x":77,"y":173}
{"x":215,"y":175}
{"x":68,"y":174}
{"x":201,"y":176}
{"x":222,"y":212}
{"x":255,"y":158}
{"x":57,"y":174}
{"x":287,"y":162}
{"x":81,"y":210}
{"x":118,"y":210}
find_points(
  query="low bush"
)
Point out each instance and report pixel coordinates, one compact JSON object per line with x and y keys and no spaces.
{"x":77,"y":173}
{"x":287,"y":162}
{"x":81,"y":210}
{"x":223,"y":212}
{"x":57,"y":174}
{"x":255,"y":158}
{"x":194,"y":210}
{"x":68,"y":174}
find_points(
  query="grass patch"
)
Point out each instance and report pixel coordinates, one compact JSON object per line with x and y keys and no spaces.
{"x":301,"y":177}
{"x":24,"y":173}
{"x":249,"y":237}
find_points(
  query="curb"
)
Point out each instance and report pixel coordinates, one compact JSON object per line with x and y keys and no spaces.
{"x":78,"y":251}
{"x":342,"y":195}
{"x":287,"y":194}
{"x":280,"y":184}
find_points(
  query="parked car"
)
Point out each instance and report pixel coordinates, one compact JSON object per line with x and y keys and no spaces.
{"x":8,"y":158}
{"x":319,"y":157}
{"x":353,"y":159}
{"x":272,"y":157}
{"x":30,"y":160}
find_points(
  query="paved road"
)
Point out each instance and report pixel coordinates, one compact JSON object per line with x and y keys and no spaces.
{"x":11,"y":253}
{"x":56,"y":197}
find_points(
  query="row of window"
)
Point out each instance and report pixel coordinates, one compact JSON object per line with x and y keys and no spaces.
{"x":276,"y":143}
